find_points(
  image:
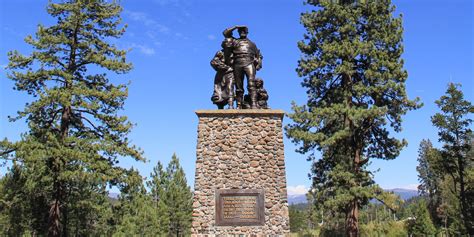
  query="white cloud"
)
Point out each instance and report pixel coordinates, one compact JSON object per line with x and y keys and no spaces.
{"x":186,"y":13}
{"x":144,"y":49}
{"x":152,"y":35}
{"x":407,"y":186}
{"x":181,"y":36}
{"x":411,"y":186}
{"x":211,"y":37}
{"x":297,"y":190}
{"x":146,"y":20}
{"x":167,"y":2}
{"x":139,"y":16}
{"x":161,"y":28}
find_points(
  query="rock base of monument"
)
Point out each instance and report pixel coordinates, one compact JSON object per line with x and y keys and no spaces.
{"x":240,"y":185}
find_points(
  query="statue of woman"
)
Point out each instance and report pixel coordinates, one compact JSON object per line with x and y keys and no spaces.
{"x":223,"y":81}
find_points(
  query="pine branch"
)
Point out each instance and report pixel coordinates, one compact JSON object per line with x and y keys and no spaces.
{"x":7,"y":152}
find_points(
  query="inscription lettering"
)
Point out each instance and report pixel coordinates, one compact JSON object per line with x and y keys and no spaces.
{"x":239,"y":207}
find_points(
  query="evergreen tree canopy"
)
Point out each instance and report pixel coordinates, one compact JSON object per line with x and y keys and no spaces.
{"x":158,"y":182}
{"x":298,"y":219}
{"x":353,"y":72}
{"x":138,"y":214}
{"x":454,"y":132}
{"x":428,"y":168}
{"x":164,"y":210}
{"x":20,"y":210}
{"x":178,"y":198}
{"x":158,"y":187}
{"x":431,"y":175}
{"x":76,"y":134}
{"x":421,"y":224}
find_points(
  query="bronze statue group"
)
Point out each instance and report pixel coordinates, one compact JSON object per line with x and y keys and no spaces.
{"x":238,"y":59}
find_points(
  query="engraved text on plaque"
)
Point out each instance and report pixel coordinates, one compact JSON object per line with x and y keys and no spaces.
{"x":239,"y":207}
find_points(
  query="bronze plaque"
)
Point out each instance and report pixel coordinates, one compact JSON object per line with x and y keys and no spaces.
{"x":239,"y":207}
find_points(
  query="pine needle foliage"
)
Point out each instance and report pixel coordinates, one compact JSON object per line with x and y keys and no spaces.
{"x":454,"y":131}
{"x":352,"y":68}
{"x":76,"y":133}
{"x":430,"y":175}
{"x":178,"y":198}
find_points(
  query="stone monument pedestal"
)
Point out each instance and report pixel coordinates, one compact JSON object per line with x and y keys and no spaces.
{"x":240,"y":185}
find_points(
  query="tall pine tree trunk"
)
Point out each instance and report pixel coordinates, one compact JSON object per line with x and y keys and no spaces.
{"x":352,"y":220}
{"x":55,"y":220}
{"x":54,"y":228}
{"x":352,"y":216}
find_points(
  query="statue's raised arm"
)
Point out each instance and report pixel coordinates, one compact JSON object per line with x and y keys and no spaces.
{"x":228,"y":32}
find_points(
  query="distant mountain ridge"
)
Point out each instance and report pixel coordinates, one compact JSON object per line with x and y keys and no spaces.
{"x":297,"y":198}
{"x":404,"y":194}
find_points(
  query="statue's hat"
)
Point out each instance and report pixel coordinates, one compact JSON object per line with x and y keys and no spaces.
{"x":243,"y":28}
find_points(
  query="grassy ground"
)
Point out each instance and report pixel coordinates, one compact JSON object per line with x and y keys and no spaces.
{"x":308,"y":233}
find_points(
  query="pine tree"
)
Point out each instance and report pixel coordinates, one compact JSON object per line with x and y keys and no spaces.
{"x":76,"y":135}
{"x":178,"y":199}
{"x":430,"y":175}
{"x":158,"y":182}
{"x":163,"y":220}
{"x":23,"y":205}
{"x":421,"y":225}
{"x":454,"y":131}
{"x":470,"y":179}
{"x":158,"y":186}
{"x":355,"y":81}
{"x":138,"y":215}
{"x":89,"y":210}
{"x":298,"y":219}
{"x":450,"y":210}
{"x":426,"y":173}
{"x":15,"y":204}
{"x":315,"y":215}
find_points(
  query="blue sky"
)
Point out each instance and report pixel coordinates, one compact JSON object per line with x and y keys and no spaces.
{"x":172,"y":42}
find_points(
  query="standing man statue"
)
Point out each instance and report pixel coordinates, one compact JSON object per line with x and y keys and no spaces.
{"x":246,"y":60}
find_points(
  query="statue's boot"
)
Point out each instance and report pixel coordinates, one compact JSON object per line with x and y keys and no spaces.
{"x":240,"y":100}
{"x":231,"y":103}
{"x":253,"y":100}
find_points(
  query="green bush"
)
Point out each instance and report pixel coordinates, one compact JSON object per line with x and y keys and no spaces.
{"x":386,"y":229}
{"x":306,"y":233}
